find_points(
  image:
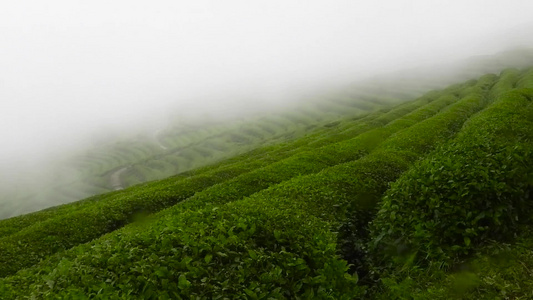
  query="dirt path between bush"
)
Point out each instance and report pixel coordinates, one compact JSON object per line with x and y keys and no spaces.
{"x":116,"y":182}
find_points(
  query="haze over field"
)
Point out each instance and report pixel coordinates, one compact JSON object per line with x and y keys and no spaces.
{"x":72,"y":69}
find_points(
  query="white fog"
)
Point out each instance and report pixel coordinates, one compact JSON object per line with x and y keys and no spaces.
{"x":74,"y":72}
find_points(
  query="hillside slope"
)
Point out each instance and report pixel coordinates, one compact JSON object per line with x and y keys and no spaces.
{"x":360,"y":207}
{"x":179,"y":147}
{"x":156,"y":151}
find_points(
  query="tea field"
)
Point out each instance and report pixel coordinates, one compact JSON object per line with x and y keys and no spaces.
{"x":379,"y":198}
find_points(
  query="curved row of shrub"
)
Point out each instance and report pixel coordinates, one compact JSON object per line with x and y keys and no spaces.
{"x":171,"y":162}
{"x":509,"y":78}
{"x":200,"y":146}
{"x":267,"y":154}
{"x":82,"y":223}
{"x":346,"y":128}
{"x":241,"y":136}
{"x":156,"y":165}
{"x":276,"y":243}
{"x":475,"y":188}
{"x":457,"y":90}
{"x":312,"y":161}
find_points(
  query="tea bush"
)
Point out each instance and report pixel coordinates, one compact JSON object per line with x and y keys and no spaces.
{"x":286,"y":223}
{"x":291,"y":221}
{"x":71,"y":225}
{"x":476,"y":187}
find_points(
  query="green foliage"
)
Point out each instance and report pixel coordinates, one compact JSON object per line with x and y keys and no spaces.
{"x":108,"y":214}
{"x":476,"y":187}
{"x":291,"y":221}
{"x":507,"y":81}
{"x":526,"y":80}
{"x":252,"y":249}
{"x":501,"y":271}
{"x":312,"y":161}
{"x":498,"y":271}
{"x":176,"y":149}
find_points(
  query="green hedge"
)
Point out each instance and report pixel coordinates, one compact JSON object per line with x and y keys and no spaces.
{"x":225,"y":253}
{"x":266,"y":155}
{"x":356,"y":187}
{"x":105,"y":213}
{"x":476,"y":187}
{"x":526,"y":80}
{"x":276,"y":244}
{"x":74,"y":224}
{"x":308,"y":162}
{"x":459,"y":90}
{"x":507,"y":81}
{"x":77,"y":225}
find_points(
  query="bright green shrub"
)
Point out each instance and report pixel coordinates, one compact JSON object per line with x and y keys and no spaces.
{"x":476,"y":187}
{"x":236,"y":251}
{"x":274,"y":153}
{"x":277,"y":243}
{"x":526,"y":81}
{"x":61,"y":231}
{"x":396,"y":113}
{"x":325,"y":197}
{"x":264,"y":155}
{"x":356,"y":187}
{"x":308,"y":196}
{"x":507,"y":81}
{"x":80,"y":225}
{"x":308,"y":162}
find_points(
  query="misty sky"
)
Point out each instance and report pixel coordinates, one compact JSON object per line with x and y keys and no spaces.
{"x":68,"y":67}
